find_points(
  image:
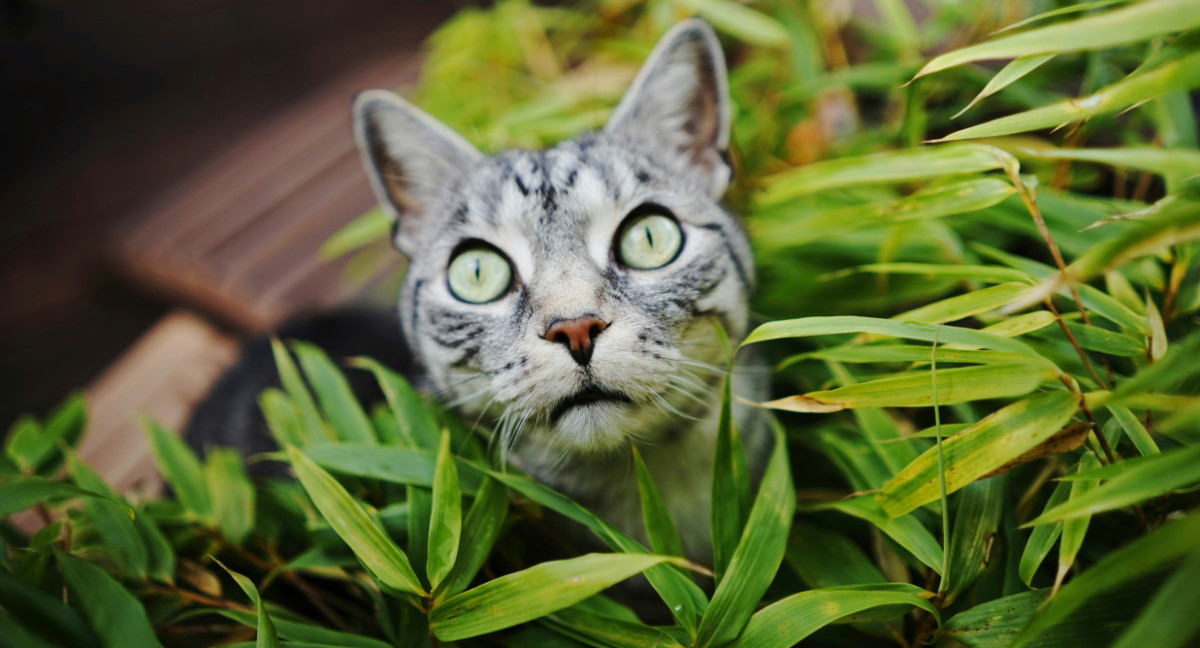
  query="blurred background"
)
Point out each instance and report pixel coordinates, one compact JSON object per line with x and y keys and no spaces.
{"x":152,"y":153}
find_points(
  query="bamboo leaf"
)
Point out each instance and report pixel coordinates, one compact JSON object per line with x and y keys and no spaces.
{"x":989,"y":444}
{"x":484,"y":521}
{"x":825,"y":559}
{"x":391,"y":464}
{"x":1009,"y":74}
{"x":660,"y":530}
{"x":891,"y":167}
{"x":960,"y":306}
{"x":48,"y":614}
{"x":418,"y":427}
{"x":741,"y":21}
{"x":1145,"y":554}
{"x":1150,"y":477}
{"x":314,"y":428}
{"x":114,"y":521}
{"x":282,"y":417}
{"x":1043,"y":537}
{"x":231,"y":493}
{"x":445,"y":524}
{"x":303,"y":635}
{"x":381,"y":557}
{"x":111,"y":610}
{"x":608,"y":631}
{"x":1136,"y":88}
{"x":1169,"y":620}
{"x":32,"y":446}
{"x":181,"y":469}
{"x":373,"y":225}
{"x":726,"y":524}
{"x":1074,"y":530}
{"x":534,"y":592}
{"x":22,"y":493}
{"x":758,"y":554}
{"x":906,"y":530}
{"x":957,"y":385}
{"x":1137,"y":22}
{"x":788,"y":621}
{"x":266,"y":629}
{"x":976,"y":522}
{"x":810,"y":326}
{"x":1134,"y":429}
{"x":1164,"y":162}
{"x":338,"y":402}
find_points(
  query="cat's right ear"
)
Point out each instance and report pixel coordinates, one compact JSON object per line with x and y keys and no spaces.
{"x":410,"y":158}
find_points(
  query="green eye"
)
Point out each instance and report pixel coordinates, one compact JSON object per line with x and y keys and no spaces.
{"x":648,"y":241}
{"x":479,"y":275}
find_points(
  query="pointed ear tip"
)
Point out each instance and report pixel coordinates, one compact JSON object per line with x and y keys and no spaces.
{"x":693,"y":27}
{"x":368,"y":100}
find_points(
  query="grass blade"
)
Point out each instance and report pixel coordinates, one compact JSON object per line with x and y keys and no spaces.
{"x":418,"y":427}
{"x":757,"y":556}
{"x":1007,"y":76}
{"x":980,"y":449}
{"x":381,"y":557}
{"x":1169,"y":620}
{"x":838,"y":325}
{"x":534,"y":592}
{"x":660,"y":529}
{"x":726,"y":501}
{"x":740,"y":21}
{"x":445,"y":523}
{"x":1043,"y":537}
{"x":1074,"y":530}
{"x":289,"y":376}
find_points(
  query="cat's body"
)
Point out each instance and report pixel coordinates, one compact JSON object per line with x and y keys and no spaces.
{"x":571,"y":297}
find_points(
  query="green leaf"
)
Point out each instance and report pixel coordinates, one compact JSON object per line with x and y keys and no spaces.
{"x":976,"y":521}
{"x":1144,"y":555}
{"x":445,"y":524}
{"x":683,"y":597}
{"x":302,"y":635}
{"x":1149,"y":477}
{"x":608,"y":631}
{"x":788,"y":621}
{"x":338,"y":402}
{"x":15,"y":635}
{"x":484,"y":521}
{"x":391,"y":464}
{"x":660,"y":530}
{"x":1009,"y":74}
{"x":302,"y":401}
{"x":825,"y":559}
{"x":1043,"y":537}
{"x":1094,"y":338}
{"x":1164,"y":162}
{"x":231,"y":494}
{"x":957,"y":385}
{"x":890,"y":167}
{"x":48,"y":614}
{"x":282,"y":417}
{"x":266,"y":629}
{"x":740,"y":21}
{"x":726,"y":523}
{"x":181,"y":469}
{"x":906,"y":530}
{"x":1134,"y":89}
{"x":987,"y":445}
{"x":373,"y":225}
{"x":32,"y":446}
{"x":1075,"y":529}
{"x":114,"y":521}
{"x":757,"y":556}
{"x":534,"y":592}
{"x":1169,"y":620}
{"x":21,"y":493}
{"x":418,"y":427}
{"x":1137,"y":22}
{"x":161,"y":555}
{"x":112,"y":611}
{"x":1134,"y":429}
{"x":810,"y":326}
{"x":381,"y":557}
{"x":960,"y":306}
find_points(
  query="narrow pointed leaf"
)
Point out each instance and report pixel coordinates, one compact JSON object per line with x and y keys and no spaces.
{"x":740,"y":21}
{"x":381,"y":557}
{"x":616,"y":633}
{"x":1075,"y":529}
{"x":1043,"y":537}
{"x":726,"y":518}
{"x":533,"y":592}
{"x":906,"y":530}
{"x":111,"y":610}
{"x":231,"y":494}
{"x":445,"y":525}
{"x":989,"y":444}
{"x":976,"y":523}
{"x":1169,"y":620}
{"x":418,"y":427}
{"x":314,"y":428}
{"x":338,"y":402}
{"x":266,"y":629}
{"x":811,"y":326}
{"x":785,"y":623}
{"x":482,"y":526}
{"x":181,"y":469}
{"x":1009,"y":74}
{"x":660,"y":530}
{"x":758,"y":554}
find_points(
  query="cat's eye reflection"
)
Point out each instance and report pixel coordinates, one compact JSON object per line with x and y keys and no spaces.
{"x":648,"y":240}
{"x":478,"y":275}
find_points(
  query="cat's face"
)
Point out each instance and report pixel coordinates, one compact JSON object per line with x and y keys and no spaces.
{"x":574,"y":293}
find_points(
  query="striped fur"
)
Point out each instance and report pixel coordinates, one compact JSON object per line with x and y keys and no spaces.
{"x":555,"y":214}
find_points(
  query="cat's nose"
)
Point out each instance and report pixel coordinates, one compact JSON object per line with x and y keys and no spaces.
{"x":577,"y":335}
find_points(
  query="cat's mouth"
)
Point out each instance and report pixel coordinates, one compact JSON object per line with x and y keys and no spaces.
{"x":587,"y":396}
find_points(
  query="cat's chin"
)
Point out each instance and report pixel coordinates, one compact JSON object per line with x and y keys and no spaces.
{"x":594,"y":427}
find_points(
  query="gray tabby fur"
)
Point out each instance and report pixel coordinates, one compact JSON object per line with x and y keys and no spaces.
{"x":555,"y":214}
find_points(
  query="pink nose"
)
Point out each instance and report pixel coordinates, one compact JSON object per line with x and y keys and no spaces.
{"x":577,"y":335}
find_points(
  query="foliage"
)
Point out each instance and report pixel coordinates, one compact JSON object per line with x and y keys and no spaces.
{"x":984,"y":349}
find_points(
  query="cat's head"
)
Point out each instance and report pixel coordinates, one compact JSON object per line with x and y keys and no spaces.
{"x":574,"y":291}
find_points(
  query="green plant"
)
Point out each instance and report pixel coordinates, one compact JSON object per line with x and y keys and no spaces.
{"x":1023,"y":306}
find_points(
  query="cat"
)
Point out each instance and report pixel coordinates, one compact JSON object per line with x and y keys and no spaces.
{"x":571,"y":297}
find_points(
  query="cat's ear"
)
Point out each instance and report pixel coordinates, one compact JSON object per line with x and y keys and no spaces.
{"x":410,"y":157}
{"x":679,"y":105}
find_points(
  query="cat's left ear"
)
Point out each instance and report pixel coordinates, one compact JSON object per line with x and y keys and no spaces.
{"x":679,"y":105}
